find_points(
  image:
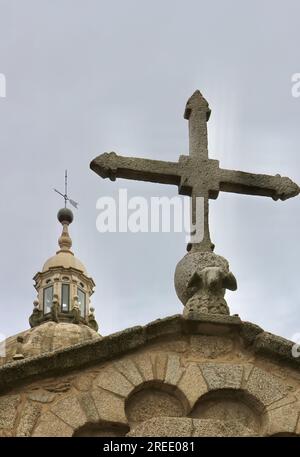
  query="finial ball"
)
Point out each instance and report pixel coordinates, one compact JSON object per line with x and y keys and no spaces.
{"x":65,"y":216}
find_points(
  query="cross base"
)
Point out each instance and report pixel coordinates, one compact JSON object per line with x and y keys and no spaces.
{"x":201,"y":280}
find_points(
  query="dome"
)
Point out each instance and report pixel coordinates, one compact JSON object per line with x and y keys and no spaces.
{"x":48,"y":337}
{"x":65,"y":259}
{"x":63,"y":286}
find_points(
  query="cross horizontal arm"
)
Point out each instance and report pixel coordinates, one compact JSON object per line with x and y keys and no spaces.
{"x":112,"y":166}
{"x":240,"y":182}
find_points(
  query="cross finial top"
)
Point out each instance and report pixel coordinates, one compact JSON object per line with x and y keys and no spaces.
{"x":197,"y":112}
{"x":65,"y":195}
{"x":197,"y":102}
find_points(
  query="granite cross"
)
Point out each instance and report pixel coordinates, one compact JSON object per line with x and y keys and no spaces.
{"x":196,"y":175}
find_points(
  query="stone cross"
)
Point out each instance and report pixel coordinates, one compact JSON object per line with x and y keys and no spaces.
{"x":196,"y":175}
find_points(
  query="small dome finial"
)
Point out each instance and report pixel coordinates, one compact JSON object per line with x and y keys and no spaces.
{"x":65,"y":217}
{"x":64,"y":241}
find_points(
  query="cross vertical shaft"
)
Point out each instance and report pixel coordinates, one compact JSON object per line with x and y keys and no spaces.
{"x":200,"y":224}
{"x":197,"y":112}
{"x":66,"y":187}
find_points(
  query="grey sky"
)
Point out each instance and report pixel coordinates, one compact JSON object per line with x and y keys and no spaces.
{"x":89,"y":76}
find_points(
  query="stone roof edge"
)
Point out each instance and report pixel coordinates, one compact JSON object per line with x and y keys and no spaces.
{"x":117,"y":344}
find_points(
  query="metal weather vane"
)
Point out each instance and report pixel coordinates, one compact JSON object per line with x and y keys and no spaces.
{"x":65,"y":195}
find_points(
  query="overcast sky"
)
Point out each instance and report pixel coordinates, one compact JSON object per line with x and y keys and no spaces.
{"x":89,"y":76}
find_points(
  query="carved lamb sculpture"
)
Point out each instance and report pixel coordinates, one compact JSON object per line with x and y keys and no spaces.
{"x":201,"y":279}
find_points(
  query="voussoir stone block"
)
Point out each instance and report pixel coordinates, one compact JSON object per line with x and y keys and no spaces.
{"x":41,"y":396}
{"x":284,"y":402}
{"x":283,"y":419}
{"x":174,"y":370}
{"x":69,"y":410}
{"x":50,"y":426}
{"x":109,"y":406}
{"x":83,"y":383}
{"x":159,"y":361}
{"x":248,"y":367}
{"x":8,"y":410}
{"x":128,"y":369}
{"x":163,"y":427}
{"x":192,"y":384}
{"x":112,"y":380}
{"x":222,"y":376}
{"x":29,"y":416}
{"x":144,"y":365}
{"x":88,"y":406}
{"x":265,"y":386}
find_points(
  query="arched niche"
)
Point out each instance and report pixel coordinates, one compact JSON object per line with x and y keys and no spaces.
{"x":231,"y":405}
{"x":155,"y":399}
{"x":101,"y":429}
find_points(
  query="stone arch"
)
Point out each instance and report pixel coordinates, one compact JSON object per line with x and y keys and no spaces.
{"x":122,"y":377}
{"x":77,"y":414}
{"x":155,"y":399}
{"x":228,"y":405}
